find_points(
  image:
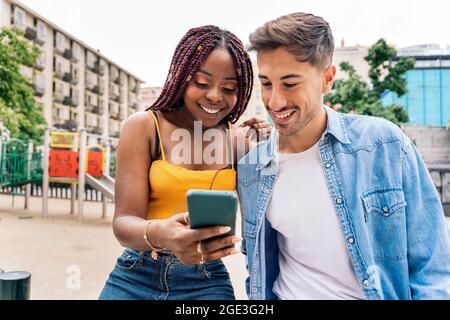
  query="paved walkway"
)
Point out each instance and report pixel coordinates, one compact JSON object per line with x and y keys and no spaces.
{"x":59,"y":251}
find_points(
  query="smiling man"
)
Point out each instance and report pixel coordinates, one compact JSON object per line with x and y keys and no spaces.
{"x":340,"y":206}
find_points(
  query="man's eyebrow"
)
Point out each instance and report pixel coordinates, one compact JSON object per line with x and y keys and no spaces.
{"x":210,"y":75}
{"x":288,"y":76}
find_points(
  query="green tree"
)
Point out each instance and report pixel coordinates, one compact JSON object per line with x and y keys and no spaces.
{"x":386,"y":74}
{"x":19,"y":112}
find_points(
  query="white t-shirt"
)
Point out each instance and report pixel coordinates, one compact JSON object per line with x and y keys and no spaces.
{"x":314,"y":262}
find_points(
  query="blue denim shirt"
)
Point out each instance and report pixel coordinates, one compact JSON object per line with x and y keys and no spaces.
{"x":391,"y":217}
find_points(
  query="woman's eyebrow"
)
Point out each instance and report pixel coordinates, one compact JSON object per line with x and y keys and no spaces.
{"x":210,"y":75}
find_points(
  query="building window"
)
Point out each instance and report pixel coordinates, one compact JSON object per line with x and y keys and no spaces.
{"x":76,"y":51}
{"x":60,"y":42}
{"x":75,"y":74}
{"x":91,"y":59}
{"x":41,"y":31}
{"x":59,"y":66}
{"x":39,"y":82}
{"x":40,"y":61}
{"x":19,"y":18}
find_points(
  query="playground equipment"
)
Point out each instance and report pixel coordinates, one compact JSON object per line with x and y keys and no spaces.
{"x":64,"y":152}
{"x":19,"y":165}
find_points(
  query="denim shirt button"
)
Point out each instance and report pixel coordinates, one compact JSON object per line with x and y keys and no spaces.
{"x":328,"y":165}
{"x":386,"y":210}
{"x":255,"y":290}
{"x":351,"y":240}
{"x":366,"y":283}
{"x":339,"y":200}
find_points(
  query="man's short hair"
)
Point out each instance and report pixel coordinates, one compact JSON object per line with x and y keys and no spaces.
{"x":306,"y":36}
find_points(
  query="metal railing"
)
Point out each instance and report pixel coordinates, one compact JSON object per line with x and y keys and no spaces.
{"x":19,"y":164}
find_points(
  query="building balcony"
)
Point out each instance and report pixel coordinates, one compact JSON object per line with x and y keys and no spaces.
{"x":131,"y":84}
{"x":95,"y":110}
{"x":38,"y":84}
{"x":101,"y":69}
{"x":132,"y":100}
{"x":40,"y":64}
{"x":116,"y":80}
{"x":115,"y":97}
{"x":97,"y":130}
{"x":90,"y":87}
{"x":74,"y":80}
{"x":96,"y":68}
{"x":89,"y":108}
{"x":90,"y":65}
{"x":59,"y":50}
{"x":113,"y":108}
{"x":66,"y":100}
{"x":70,"y":101}
{"x":99,"y":90}
{"x":67,"y":77}
{"x":114,"y":134}
{"x":58,"y":97}
{"x":59,"y":74}
{"x":30,"y":33}
{"x":39,"y":39}
{"x":67,"y":54}
{"x":26,"y":72}
{"x":38,"y":91}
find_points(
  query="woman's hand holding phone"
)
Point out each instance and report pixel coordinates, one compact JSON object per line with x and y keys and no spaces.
{"x":175,"y":235}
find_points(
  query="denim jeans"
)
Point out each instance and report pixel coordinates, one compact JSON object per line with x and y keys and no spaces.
{"x":137,"y":277}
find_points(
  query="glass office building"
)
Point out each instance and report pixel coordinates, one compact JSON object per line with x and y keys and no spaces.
{"x":428,"y":99}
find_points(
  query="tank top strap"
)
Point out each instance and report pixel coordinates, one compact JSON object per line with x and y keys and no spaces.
{"x":230,"y":145}
{"x":152,"y":113}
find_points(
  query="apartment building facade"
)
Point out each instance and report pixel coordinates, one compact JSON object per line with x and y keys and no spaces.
{"x":78,"y":87}
{"x":148,"y":96}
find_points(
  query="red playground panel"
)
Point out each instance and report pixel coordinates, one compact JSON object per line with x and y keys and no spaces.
{"x":63,"y":164}
{"x":95,"y":161}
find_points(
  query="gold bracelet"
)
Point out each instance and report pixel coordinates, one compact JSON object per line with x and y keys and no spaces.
{"x":154,"y":253}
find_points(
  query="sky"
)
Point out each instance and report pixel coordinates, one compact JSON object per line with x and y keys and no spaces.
{"x":141,"y":35}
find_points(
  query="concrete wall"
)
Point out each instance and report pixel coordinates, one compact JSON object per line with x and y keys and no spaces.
{"x":433,"y":144}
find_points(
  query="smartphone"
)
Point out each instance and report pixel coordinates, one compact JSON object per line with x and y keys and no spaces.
{"x":212,"y":208}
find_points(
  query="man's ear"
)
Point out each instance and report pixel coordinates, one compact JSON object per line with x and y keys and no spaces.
{"x":328,"y":78}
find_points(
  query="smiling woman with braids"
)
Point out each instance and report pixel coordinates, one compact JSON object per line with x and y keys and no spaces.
{"x":207,"y":89}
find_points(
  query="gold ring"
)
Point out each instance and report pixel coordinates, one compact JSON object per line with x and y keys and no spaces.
{"x":199,"y":247}
{"x":199,"y":250}
{"x":186,"y":218}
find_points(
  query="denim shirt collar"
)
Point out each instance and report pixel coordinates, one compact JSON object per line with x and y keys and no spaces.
{"x":267,"y":152}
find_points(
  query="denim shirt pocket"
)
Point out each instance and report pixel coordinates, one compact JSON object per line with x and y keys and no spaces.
{"x":384,"y":211}
{"x":384,"y":201}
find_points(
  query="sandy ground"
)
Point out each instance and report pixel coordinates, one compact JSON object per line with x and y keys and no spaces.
{"x":69,"y":260}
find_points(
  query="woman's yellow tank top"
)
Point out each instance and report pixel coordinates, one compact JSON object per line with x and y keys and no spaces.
{"x":169,"y":183}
